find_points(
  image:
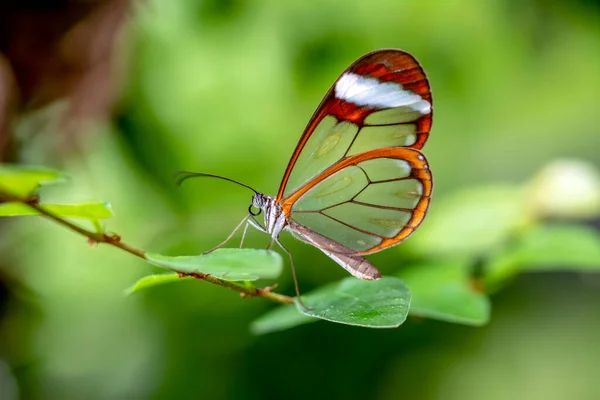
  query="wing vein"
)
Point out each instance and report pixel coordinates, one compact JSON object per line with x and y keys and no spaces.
{"x":353,"y":227}
{"x":409,"y":210}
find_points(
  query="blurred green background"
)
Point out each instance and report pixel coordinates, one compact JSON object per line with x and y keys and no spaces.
{"x":226,"y":87}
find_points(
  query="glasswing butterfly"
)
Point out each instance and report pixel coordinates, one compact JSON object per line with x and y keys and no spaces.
{"x":356,"y":183}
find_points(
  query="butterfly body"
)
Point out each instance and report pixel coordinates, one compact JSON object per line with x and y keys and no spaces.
{"x":275,"y":219}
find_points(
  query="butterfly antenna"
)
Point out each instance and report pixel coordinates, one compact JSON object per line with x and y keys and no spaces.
{"x":181,"y":176}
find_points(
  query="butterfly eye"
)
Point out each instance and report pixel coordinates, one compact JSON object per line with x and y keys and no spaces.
{"x":252,"y":212}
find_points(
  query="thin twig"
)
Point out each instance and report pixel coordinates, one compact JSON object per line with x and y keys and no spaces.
{"x":115,"y":240}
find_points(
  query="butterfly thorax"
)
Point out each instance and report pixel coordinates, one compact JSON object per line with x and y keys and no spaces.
{"x":275,"y":218}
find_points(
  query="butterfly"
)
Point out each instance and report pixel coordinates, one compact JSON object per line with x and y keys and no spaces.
{"x":357,"y":182}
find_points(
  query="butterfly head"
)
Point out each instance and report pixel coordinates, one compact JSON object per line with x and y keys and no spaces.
{"x":260,"y":202}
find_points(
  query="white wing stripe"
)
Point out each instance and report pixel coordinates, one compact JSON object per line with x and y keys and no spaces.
{"x":364,"y":91}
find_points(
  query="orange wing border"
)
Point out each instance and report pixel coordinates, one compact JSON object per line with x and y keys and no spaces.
{"x":419,"y":170}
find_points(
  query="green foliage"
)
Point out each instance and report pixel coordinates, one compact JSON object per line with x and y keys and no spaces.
{"x":18,"y":187}
{"x":446,"y":291}
{"x":226,"y":264}
{"x":90,"y":211}
{"x":471,"y":221}
{"x":558,"y":247}
{"x":545,"y":248}
{"x":442,"y":291}
{"x":278,"y":319}
{"x":227,"y":88}
{"x":155,"y":280}
{"x":383,"y":303}
{"x":449,"y":290}
{"x":22,"y":181}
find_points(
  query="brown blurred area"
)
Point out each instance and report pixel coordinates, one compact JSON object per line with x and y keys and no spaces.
{"x":57,"y":49}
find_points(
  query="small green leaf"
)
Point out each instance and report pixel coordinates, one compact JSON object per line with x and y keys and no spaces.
{"x":226,"y":264}
{"x":550,"y":248}
{"x":154,"y":280}
{"x":16,"y":210}
{"x":279,"y":319}
{"x":382,"y":303}
{"x":471,"y":222}
{"x":445,"y":292}
{"x":22,"y":181}
{"x":91,"y":211}
{"x":560,"y":248}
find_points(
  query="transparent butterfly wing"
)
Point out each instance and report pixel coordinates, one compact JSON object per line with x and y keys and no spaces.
{"x":366,"y":202}
{"x":356,"y":264}
{"x":382,"y":100}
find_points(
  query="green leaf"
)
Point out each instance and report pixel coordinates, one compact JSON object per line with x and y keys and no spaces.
{"x":560,"y":248}
{"x":551,"y":248}
{"x":278,"y":319}
{"x":155,"y":280}
{"x":22,"y":181}
{"x":471,"y":222}
{"x":374,"y":304}
{"x":382,"y":303}
{"x":226,"y":264}
{"x":444,"y":291}
{"x":91,"y":211}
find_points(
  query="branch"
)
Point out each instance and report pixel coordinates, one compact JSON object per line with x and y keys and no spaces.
{"x":115,"y":240}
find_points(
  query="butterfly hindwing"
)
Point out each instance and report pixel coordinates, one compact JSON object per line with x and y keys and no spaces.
{"x":356,"y":264}
{"x":366,"y":202}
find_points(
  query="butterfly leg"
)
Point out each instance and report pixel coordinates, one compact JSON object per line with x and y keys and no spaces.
{"x":293,"y":275}
{"x":244,"y":234}
{"x":252,"y":221}
{"x":237,"y":228}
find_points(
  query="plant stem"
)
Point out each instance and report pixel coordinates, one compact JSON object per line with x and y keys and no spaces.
{"x":115,"y":240}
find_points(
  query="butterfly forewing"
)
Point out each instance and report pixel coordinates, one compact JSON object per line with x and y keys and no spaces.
{"x":382,"y":100}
